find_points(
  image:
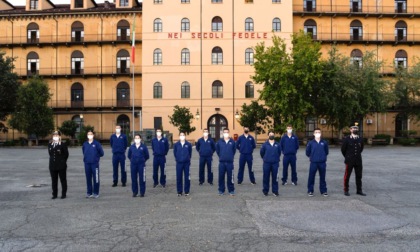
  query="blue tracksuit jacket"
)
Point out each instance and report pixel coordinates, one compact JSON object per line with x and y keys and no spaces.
{"x":226,"y":151}
{"x":246,"y":145}
{"x":289,"y":146}
{"x":205,"y":148}
{"x":160,"y":147}
{"x":317,"y":152}
{"x":182,"y":153}
{"x":138,"y":155}
{"x":270,"y":153}
{"x":118,"y":144}
{"x":92,"y":152}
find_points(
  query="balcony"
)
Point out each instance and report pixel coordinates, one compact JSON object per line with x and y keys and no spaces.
{"x":366,"y":38}
{"x":93,"y":105}
{"x":67,"y":72}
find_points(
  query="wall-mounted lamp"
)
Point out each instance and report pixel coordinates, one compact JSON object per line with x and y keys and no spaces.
{"x":237,"y":114}
{"x":322,"y":121}
{"x":197,"y":115}
{"x":369,"y":121}
{"x":81,"y":116}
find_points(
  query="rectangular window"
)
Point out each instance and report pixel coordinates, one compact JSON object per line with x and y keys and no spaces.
{"x":123,"y":3}
{"x":249,"y":1}
{"x":217,"y":92}
{"x":185,"y":58}
{"x":157,"y":1}
{"x":157,"y":122}
{"x":217,"y":1}
{"x":249,"y":91}
{"x":185,"y":92}
{"x":400,"y":6}
{"x":33,"y":5}
{"x":185,"y":1}
{"x":78,"y":4}
{"x":276,"y":1}
{"x":157,"y":92}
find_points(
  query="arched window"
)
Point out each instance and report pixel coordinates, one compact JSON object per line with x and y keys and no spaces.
{"x":33,"y":33}
{"x":217,"y":24}
{"x":185,"y":56}
{"x":249,"y":56}
{"x":33,"y":63}
{"x":356,"y":57}
{"x":157,"y":57}
{"x":356,"y":30}
{"x":217,"y":89}
{"x":123,"y":94}
{"x":185,"y":90}
{"x":157,"y":25}
{"x":401,"y":31}
{"x":157,"y":90}
{"x":309,"y":27}
{"x":217,"y":56}
{"x":249,"y":90}
{"x":185,"y":25}
{"x":124,"y":122}
{"x":400,"y":6}
{"x":249,"y":24}
{"x":123,"y":30}
{"x":309,"y":5}
{"x":123,"y":61}
{"x":355,"y":5}
{"x":276,"y":25}
{"x":77,"y":95}
{"x":77,"y":63}
{"x":400,"y":59}
{"x":77,"y":32}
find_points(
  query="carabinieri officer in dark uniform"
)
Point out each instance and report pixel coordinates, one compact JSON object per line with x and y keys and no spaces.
{"x":352,"y":151}
{"x":58,"y":164}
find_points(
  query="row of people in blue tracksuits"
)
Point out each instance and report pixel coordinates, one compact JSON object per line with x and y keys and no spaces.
{"x":225,"y":148}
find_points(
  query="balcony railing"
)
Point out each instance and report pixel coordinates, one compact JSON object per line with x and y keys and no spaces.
{"x":20,"y":38}
{"x":94,"y":104}
{"x":374,"y":37}
{"x":68,"y":72}
{"x":387,"y":9}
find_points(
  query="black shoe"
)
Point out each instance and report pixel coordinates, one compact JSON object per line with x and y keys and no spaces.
{"x":347,"y":193}
{"x":179,"y":194}
{"x":239,"y":183}
{"x":276,"y":194}
{"x":141,"y":195}
{"x":253,"y":183}
{"x":265,"y":193}
{"x":163,"y":186}
{"x":53,"y":197}
{"x":63,"y":196}
{"x":200,"y":184}
{"x":114,"y":185}
{"x":361,"y":193}
{"x":134,"y":195}
{"x":284,"y":183}
{"x":154,"y":186}
{"x":123,"y":185}
{"x":187,"y":194}
{"x":211,"y":183}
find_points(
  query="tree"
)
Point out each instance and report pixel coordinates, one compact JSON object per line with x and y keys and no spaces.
{"x":349,"y":89}
{"x":69,"y":128}
{"x":9,"y":86}
{"x":82,"y":137}
{"x":288,"y":78}
{"x":182,"y":119}
{"x":407,"y":91}
{"x":254,"y":116}
{"x":32,"y":115}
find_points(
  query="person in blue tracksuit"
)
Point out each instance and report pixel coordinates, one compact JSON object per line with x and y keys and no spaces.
{"x":317,"y":151}
{"x":138,"y":154}
{"x":119,"y":144}
{"x":160,"y":148}
{"x":182,"y":153}
{"x":289,"y":146}
{"x":226,"y":149}
{"x":245,"y":145}
{"x":92,"y":152}
{"x":205,"y":147}
{"x":270,"y":153}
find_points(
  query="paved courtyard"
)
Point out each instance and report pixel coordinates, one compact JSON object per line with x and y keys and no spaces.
{"x":387,"y":219}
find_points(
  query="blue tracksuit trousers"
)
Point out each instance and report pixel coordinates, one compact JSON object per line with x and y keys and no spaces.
{"x":92,"y":177}
{"x":270,"y":169}
{"x":159,"y":161}
{"x":138,"y":176}
{"x":322,"y":169}
{"x":289,"y":159}
{"x":183,"y":171}
{"x":202,"y":163}
{"x":245,"y":158}
{"x":226,"y":168}
{"x":119,"y":158}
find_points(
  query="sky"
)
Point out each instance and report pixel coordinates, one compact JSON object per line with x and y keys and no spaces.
{"x":22,"y":2}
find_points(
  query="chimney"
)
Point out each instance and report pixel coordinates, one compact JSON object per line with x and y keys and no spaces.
{"x":107,"y":4}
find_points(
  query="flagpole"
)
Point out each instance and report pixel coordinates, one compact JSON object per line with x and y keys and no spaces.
{"x":133,"y":60}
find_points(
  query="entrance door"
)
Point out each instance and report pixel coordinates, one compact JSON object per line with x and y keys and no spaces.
{"x":216,"y":124}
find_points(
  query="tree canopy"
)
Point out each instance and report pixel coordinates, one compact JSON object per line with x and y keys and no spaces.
{"x":9,"y":86}
{"x":182,"y":118}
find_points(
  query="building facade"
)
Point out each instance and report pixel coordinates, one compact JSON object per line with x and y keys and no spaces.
{"x":83,"y":51}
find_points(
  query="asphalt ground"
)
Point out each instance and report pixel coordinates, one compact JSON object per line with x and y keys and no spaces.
{"x":387,"y":219}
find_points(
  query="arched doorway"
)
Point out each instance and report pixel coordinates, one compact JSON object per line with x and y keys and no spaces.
{"x":401,"y":124}
{"x":124,"y":122}
{"x":216,"y":124}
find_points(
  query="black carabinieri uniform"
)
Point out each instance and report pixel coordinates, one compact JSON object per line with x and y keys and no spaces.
{"x":58,"y":167}
{"x":352,"y":151}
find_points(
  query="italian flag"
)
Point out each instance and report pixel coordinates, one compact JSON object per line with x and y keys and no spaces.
{"x":133,"y":43}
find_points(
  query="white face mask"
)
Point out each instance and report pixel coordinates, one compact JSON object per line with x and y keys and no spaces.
{"x":137,"y":141}
{"x":225,"y":135}
{"x":205,"y":134}
{"x":182,"y":138}
{"x":55,"y":138}
{"x":318,"y":135}
{"x":90,"y":137}
{"x":118,"y":131}
{"x":158,"y":134}
{"x":289,"y":131}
